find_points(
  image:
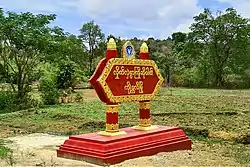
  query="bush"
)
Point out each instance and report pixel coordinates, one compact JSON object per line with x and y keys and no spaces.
{"x":48,"y":88}
{"x":48,"y":85}
{"x":189,"y":77}
{"x":10,"y":103}
{"x":7,"y":100}
{"x":66,"y":75}
{"x":26,"y":102}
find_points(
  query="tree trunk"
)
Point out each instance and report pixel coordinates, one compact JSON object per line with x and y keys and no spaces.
{"x":20,"y":89}
{"x":219,"y":78}
{"x":168,"y":76}
{"x":91,"y":59}
{"x":90,"y":66}
{"x":19,"y":84}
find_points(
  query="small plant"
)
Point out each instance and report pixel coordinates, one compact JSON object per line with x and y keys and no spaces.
{"x":78,"y":97}
{"x":6,"y":154}
{"x":10,"y":160}
{"x":4,"y":151}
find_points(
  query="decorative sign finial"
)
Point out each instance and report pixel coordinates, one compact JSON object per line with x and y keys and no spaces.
{"x":144,"y":48}
{"x":111,"y":45}
{"x":128,"y":50}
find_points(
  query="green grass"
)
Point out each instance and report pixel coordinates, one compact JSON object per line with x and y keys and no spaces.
{"x":214,"y":110}
{"x":200,"y":112}
{"x":4,"y":151}
{"x":239,"y":153}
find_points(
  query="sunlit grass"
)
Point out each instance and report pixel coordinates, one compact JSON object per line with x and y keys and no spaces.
{"x":200,"y":112}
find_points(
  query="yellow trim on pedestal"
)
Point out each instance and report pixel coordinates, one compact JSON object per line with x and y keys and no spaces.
{"x":145,"y":128}
{"x":112,"y":127}
{"x":144,"y":122}
{"x":112,"y":108}
{"x":104,"y":133}
{"x":144,"y":105}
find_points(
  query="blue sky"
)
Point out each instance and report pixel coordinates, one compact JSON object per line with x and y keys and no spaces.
{"x":126,"y":18}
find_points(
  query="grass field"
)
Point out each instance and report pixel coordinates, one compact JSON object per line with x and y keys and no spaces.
{"x":218,"y":120}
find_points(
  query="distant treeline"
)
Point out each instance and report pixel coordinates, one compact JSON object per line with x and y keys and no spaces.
{"x":215,"y":53}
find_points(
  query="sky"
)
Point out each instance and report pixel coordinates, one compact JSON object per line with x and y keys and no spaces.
{"x":126,"y":18}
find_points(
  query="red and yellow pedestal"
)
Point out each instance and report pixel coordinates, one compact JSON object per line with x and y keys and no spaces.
{"x":103,"y":150}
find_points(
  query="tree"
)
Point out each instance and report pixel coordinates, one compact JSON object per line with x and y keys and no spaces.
{"x":93,"y":36}
{"x":161,"y":53}
{"x":24,"y":38}
{"x":179,"y":37}
{"x":179,"y":40}
{"x":224,"y":40}
{"x":67,"y":47}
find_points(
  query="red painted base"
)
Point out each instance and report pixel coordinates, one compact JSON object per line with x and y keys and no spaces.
{"x":102,"y":150}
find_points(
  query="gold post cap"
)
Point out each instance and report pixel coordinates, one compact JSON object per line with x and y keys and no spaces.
{"x":144,"y":48}
{"x":111,"y":45}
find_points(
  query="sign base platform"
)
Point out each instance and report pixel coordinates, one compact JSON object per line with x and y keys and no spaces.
{"x":107,"y":150}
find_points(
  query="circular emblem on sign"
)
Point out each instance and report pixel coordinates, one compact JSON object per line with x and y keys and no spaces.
{"x":128,"y":50}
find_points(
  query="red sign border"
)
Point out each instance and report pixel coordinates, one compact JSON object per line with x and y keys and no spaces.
{"x":128,"y":98}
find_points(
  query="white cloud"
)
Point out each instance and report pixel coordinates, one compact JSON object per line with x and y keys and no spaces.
{"x":159,"y":18}
{"x":242,"y":6}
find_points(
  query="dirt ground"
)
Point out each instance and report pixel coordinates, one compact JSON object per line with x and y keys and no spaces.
{"x":40,"y":150}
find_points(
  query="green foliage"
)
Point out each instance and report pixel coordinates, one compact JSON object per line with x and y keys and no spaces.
{"x":24,"y":38}
{"x":4,"y":151}
{"x":161,"y":53}
{"x":48,"y":85}
{"x":50,"y":93}
{"x":11,"y":102}
{"x":78,"y":97}
{"x":92,"y":35}
{"x":66,"y":75}
{"x":65,"y":46}
{"x":223,"y":42}
{"x":6,"y":101}
{"x":179,"y":37}
{"x":188,"y":78}
{"x":215,"y":52}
